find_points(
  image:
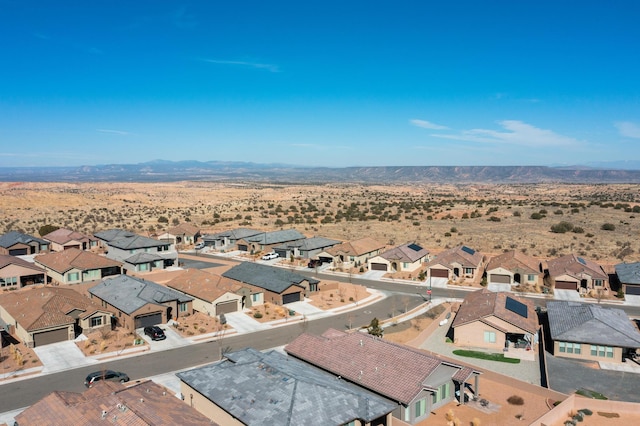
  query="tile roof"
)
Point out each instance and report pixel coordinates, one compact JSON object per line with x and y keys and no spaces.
{"x":276,"y":237}
{"x":481,"y":304}
{"x":576,"y":267}
{"x":129,"y":294}
{"x":267,"y":277}
{"x":463,"y":255}
{"x":184,"y":228}
{"x":409,"y":252}
{"x":112,"y":234}
{"x":6,"y":260}
{"x":140,"y":258}
{"x":233,"y":234}
{"x":41,"y":307}
{"x":356,"y":247}
{"x":141,"y":404}
{"x":515,"y":261}
{"x":394,"y":371}
{"x":273,"y":389}
{"x":62,"y":236}
{"x":75,"y":258}
{"x":136,"y":242}
{"x":312,"y":243}
{"x":203,"y":285}
{"x":628,"y":273}
{"x":12,"y":238}
{"x":591,"y":324}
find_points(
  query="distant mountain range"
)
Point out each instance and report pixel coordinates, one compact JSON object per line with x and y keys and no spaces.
{"x":171,"y":171}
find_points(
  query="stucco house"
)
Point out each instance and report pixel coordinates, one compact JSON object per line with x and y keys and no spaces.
{"x":628,"y":275}
{"x":458,"y":262}
{"x":591,"y":332}
{"x":228,"y":240}
{"x":75,"y":266}
{"x":416,"y":382}
{"x":572,"y":272}
{"x":405,"y":258}
{"x":249,"y":387}
{"x":305,"y":248}
{"x":212,"y":294}
{"x":138,"y":303}
{"x":496,"y":321}
{"x":352,"y":253}
{"x":62,"y":239}
{"x":266,"y":241}
{"x":15,"y":243}
{"x":43,"y":315}
{"x":137,"y":253}
{"x":16,"y":273}
{"x":514,"y":268}
{"x":184,"y":234}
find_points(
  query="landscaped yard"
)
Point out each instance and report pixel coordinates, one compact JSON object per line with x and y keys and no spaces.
{"x":269,"y":312}
{"x":332,"y":294}
{"x":107,"y":341}
{"x":199,"y":323}
{"x":16,"y":357}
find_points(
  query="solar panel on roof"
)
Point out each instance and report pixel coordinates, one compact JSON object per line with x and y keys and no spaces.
{"x":581,"y":260}
{"x":468,"y":250}
{"x":415,"y":247}
{"x":517,"y":307}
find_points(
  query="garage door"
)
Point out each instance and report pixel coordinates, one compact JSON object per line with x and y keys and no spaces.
{"x":281,"y":253}
{"x":378,"y":266}
{"x":145,"y":320}
{"x":290,"y":298}
{"x":499,"y":278}
{"x":18,"y":252}
{"x":566,"y":285}
{"x":52,"y":336}
{"x":243,"y":247}
{"x":633,"y":290}
{"x":440,"y":273}
{"x":226,"y":307}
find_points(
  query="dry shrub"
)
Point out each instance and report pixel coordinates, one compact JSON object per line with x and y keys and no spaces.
{"x":515,"y":400}
{"x":449,"y":415}
{"x":476,"y":422}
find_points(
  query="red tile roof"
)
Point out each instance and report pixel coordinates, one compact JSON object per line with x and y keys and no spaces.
{"x":203,"y":285}
{"x":64,"y":261}
{"x":576,"y":267}
{"x":465,"y":256}
{"x":515,"y":260}
{"x":62,"y":236}
{"x":6,"y":260}
{"x":356,"y":247}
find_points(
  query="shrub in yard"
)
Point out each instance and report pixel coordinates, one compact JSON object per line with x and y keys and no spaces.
{"x":515,"y":400}
{"x":585,"y":411}
{"x":257,"y":315}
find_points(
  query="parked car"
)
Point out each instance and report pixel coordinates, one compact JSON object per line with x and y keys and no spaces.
{"x":154,"y":332}
{"x":314,"y":263}
{"x":114,"y":376}
{"x":199,"y":246}
{"x":269,"y":256}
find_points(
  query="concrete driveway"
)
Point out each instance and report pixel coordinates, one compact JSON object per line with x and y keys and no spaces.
{"x":173,"y":340}
{"x":61,"y":356}
{"x":570,"y":295}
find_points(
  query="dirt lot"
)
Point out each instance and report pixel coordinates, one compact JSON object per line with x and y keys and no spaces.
{"x":16,"y":357}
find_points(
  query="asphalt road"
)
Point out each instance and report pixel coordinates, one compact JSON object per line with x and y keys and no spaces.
{"x":28,"y":391}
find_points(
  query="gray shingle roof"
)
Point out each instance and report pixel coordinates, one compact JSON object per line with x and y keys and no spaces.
{"x":129,"y":294}
{"x":139,"y":258}
{"x":628,"y":273}
{"x":312,"y":243}
{"x":136,"y":242}
{"x":591,"y":324}
{"x":276,"y":237}
{"x":112,"y":234}
{"x":273,"y":389}
{"x":267,"y":277}
{"x":14,"y":237}
{"x":233,"y":234}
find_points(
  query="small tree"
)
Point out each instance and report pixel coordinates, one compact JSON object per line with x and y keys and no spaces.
{"x":374,"y":328}
{"x":47,"y":229}
{"x":608,"y":227}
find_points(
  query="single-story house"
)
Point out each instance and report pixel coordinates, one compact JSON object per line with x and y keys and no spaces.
{"x":405,"y":258}
{"x":280,"y":286}
{"x":139,"y":303}
{"x":571,"y":272}
{"x":62,"y":239}
{"x":591,"y":332}
{"x":74,"y":266}
{"x":16,"y":273}
{"x":417,"y":382}
{"x":142,"y":404}
{"x":305,"y":248}
{"x":514,"y":268}
{"x":458,"y":262}
{"x":184,"y":233}
{"x":253,"y":388}
{"x":137,"y":253}
{"x":212,"y":294}
{"x":265,"y":241}
{"x":628,"y":275}
{"x":496,"y":321}
{"x":43,"y":315}
{"x":15,"y":243}
{"x":228,"y":240}
{"x":352,"y":253}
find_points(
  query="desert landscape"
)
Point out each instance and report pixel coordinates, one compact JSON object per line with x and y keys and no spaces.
{"x":601,"y":222}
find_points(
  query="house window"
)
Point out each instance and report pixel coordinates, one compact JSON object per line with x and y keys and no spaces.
{"x":183,"y":307}
{"x":420,"y":407}
{"x":594,"y":350}
{"x":73,"y":276}
{"x":143,"y":267}
{"x":96,"y":321}
{"x":132,"y":251}
{"x":490,"y":336}
{"x":597,"y":283}
{"x":405,"y":265}
{"x":407,"y":414}
{"x":602,"y":351}
{"x":441,"y":393}
{"x":8,"y":281}
{"x":609,"y":352}
{"x":531,"y":277}
{"x":468,"y":271}
{"x":577,"y":349}
{"x":351,"y":423}
{"x":562,"y":346}
{"x":255,"y":297}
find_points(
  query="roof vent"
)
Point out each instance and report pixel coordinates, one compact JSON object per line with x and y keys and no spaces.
{"x":104,"y":414}
{"x":141,"y":399}
{"x":361,"y":342}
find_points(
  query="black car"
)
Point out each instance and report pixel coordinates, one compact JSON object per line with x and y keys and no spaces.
{"x":314,"y":263}
{"x":114,"y":376}
{"x":154,"y":332}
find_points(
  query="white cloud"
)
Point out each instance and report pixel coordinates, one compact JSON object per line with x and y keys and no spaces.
{"x":427,"y":124}
{"x":268,"y":67}
{"x":113,"y":132}
{"x":628,"y":129}
{"x":519,"y":133}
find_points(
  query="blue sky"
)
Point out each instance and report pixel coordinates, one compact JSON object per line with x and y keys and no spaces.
{"x":319,"y":83}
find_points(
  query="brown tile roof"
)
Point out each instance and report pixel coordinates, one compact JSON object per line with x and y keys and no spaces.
{"x":481,"y":304}
{"x":575,"y":266}
{"x":62,"y":236}
{"x":143,"y":404}
{"x":462,"y":255}
{"x":184,"y":228}
{"x":75,"y":258}
{"x":389,"y":369}
{"x":356,"y":247}
{"x":515,"y":260}
{"x":35,"y":308}
{"x":203,"y":285}
{"x":6,"y":260}
{"x":409,"y":252}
